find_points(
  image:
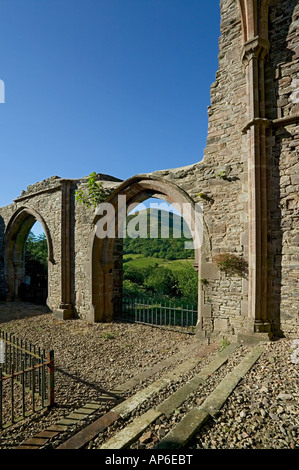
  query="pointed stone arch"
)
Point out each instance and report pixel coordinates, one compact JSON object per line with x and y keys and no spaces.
{"x":134,"y":190}
{"x":15,"y":237}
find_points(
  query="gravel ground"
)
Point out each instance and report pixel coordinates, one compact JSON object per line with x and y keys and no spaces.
{"x":160,"y":428}
{"x":90,"y":358}
{"x":262,"y":412}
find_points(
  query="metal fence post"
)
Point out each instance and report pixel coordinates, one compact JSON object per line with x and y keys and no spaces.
{"x":12,"y":393}
{"x":50,"y":378}
{"x":0,"y":397}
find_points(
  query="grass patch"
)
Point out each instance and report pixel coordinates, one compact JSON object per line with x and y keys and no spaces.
{"x":108,"y":335}
{"x":175,"y":265}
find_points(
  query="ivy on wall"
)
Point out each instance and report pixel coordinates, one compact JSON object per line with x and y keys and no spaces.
{"x":96,"y":193}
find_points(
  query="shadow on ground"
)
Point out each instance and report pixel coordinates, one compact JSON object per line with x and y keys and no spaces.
{"x":16,"y":310}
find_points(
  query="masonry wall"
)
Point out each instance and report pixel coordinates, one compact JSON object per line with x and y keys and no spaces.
{"x":220,"y":183}
{"x":2,"y":267}
{"x":222,"y":176}
{"x":84,"y":231}
{"x":45,"y":199}
{"x":283,"y":164}
{"x":225,"y":306}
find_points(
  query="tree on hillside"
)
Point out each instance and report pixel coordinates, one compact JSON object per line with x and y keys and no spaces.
{"x":161,"y":281}
{"x":187,"y":284}
{"x":37,"y":249}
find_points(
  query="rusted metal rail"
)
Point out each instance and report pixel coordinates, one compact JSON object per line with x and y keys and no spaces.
{"x":26,"y":379}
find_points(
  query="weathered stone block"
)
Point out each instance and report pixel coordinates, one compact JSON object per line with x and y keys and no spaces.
{"x":209,"y":271}
{"x":220,"y":324}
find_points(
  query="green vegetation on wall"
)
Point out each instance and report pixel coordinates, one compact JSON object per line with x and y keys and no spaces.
{"x":95,"y":192}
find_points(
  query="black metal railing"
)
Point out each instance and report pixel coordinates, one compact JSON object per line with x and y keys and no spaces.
{"x":26,"y":379}
{"x":175,"y":315}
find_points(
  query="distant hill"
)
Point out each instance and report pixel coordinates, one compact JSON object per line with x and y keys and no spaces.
{"x":157,"y":233}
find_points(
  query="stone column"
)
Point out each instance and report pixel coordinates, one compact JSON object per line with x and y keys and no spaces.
{"x":65,"y":310}
{"x":253,"y":55}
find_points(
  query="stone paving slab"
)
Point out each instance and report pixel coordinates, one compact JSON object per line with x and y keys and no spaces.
{"x":176,"y":399}
{"x":156,"y":368}
{"x":191,"y":423}
{"x":92,"y":405}
{"x":68,"y":422}
{"x":35,"y":441}
{"x":47,"y":434}
{"x":24,"y":446}
{"x":129,"y":405}
{"x":130,"y":433}
{"x":85,"y":411}
{"x":184,"y":430}
{"x":89,"y":432}
{"x":78,"y":416}
{"x":56,"y":427}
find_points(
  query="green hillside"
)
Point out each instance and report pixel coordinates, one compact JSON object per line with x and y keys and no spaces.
{"x":159,"y":267}
{"x":164,"y":235}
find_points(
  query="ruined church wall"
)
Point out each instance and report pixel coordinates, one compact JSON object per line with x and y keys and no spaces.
{"x":220,"y":183}
{"x":46,"y":201}
{"x":222,"y":177}
{"x":83,"y":233}
{"x":225,"y":305}
{"x":283,"y":166}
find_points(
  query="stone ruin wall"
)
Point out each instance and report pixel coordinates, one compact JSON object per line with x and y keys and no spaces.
{"x":224,"y":300}
{"x":283,"y":163}
{"x":45,"y":199}
{"x":84,"y":233}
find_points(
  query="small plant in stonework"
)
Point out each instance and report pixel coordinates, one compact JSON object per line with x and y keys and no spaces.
{"x":221,"y":174}
{"x":96,"y":193}
{"x":205,"y":197}
{"x":204,"y":281}
{"x":223,"y":344}
{"x":231,"y":264}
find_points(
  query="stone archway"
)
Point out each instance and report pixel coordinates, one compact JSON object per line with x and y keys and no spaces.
{"x":105,"y":259}
{"x":16,"y":234}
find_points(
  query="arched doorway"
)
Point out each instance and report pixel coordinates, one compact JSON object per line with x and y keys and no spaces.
{"x":106,"y":252}
{"x":157,"y":262}
{"x":14,"y":248}
{"x":35,"y":286}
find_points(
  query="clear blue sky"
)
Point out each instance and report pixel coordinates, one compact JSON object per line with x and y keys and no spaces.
{"x":113,"y":86}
